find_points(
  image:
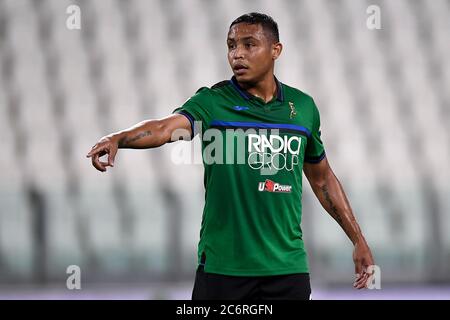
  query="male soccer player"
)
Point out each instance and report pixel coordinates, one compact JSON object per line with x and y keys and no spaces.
{"x":251,"y":243}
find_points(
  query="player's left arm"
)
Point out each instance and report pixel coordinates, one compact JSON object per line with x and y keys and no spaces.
{"x":331,"y":195}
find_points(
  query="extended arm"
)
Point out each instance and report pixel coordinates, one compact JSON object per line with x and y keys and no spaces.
{"x":145,"y":134}
{"x":331,"y":195}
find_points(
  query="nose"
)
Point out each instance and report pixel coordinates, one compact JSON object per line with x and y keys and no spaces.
{"x":238,"y":53}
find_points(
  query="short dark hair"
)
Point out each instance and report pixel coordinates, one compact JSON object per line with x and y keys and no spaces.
{"x":260,"y":18}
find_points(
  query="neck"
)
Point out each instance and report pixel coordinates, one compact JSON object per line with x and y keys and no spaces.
{"x":265,"y":88}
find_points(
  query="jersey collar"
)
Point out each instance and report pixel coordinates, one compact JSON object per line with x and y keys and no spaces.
{"x":247,"y":96}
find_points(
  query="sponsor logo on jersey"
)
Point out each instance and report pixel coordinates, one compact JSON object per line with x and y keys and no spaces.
{"x":273,"y":152}
{"x":271,"y":186}
{"x":274,"y":144}
{"x":240,"y":108}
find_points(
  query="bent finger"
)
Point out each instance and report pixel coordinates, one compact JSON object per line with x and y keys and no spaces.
{"x":112,"y":157}
{"x":362,"y":282}
{"x":97,"y":163}
{"x":96,"y":150}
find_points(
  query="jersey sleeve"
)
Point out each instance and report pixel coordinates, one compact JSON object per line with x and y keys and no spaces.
{"x":197,"y":109}
{"x":315,"y":150}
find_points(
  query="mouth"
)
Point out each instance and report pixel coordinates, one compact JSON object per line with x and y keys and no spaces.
{"x":240,"y":68}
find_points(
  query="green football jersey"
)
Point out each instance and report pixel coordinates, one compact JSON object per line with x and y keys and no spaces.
{"x":253,"y":155}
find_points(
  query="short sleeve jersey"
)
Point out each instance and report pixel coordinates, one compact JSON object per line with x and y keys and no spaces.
{"x":253,"y":155}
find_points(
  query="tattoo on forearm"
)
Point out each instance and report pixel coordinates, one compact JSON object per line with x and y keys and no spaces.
{"x":141,"y":135}
{"x":333,"y":210}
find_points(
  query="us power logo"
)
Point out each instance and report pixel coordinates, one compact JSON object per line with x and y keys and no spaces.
{"x":271,"y":186}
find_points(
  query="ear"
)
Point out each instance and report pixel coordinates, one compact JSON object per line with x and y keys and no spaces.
{"x":276,"y":50}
